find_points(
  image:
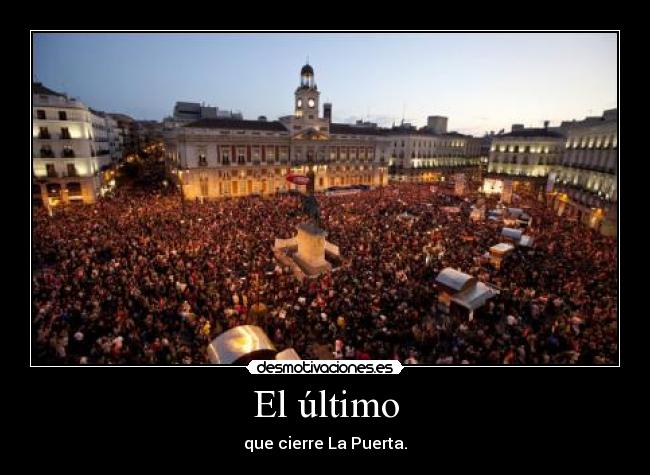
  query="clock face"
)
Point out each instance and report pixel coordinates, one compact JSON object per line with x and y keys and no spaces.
{"x":299,"y":103}
{"x":311,"y":102}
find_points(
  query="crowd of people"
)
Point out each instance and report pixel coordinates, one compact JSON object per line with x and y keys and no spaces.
{"x":142,"y":278}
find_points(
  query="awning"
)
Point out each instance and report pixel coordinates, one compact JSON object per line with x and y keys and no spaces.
{"x":526,"y":241}
{"x":475,"y":296}
{"x":511,"y":233}
{"x":454,"y":279}
{"x":501,"y":248}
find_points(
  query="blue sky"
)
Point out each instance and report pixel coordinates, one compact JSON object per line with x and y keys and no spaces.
{"x":481,"y":81}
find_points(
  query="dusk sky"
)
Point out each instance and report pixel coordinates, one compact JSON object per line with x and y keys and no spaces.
{"x":481,"y":81}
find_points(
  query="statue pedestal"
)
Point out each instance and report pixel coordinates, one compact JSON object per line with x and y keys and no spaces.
{"x":311,"y":249}
{"x":308,"y":254}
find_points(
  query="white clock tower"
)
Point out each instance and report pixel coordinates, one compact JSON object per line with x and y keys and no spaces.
{"x":307,"y":95}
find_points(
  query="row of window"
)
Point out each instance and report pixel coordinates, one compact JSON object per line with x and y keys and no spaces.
{"x":44,"y":134}
{"x":270,"y":172}
{"x":40,"y":114}
{"x":66,"y":152}
{"x":243,"y":155}
{"x":429,"y":155}
{"x":603,"y":188}
{"x":237,"y":187}
{"x":430,"y":143}
{"x":54,"y":189}
{"x":524,"y":160}
{"x":601,"y":142}
{"x":524,"y":148}
{"x":52,"y":173}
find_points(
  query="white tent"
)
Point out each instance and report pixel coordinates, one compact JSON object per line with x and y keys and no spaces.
{"x":454,"y":279}
{"x":475,"y":296}
{"x":515,"y":212}
{"x":501,"y":248}
{"x":512,"y":233}
{"x":526,"y":241}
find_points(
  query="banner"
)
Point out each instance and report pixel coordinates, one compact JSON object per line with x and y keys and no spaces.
{"x":297,"y":179}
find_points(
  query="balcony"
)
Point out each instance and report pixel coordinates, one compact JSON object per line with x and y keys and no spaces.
{"x":68,"y":153}
{"x":44,"y":136}
{"x":64,"y":137}
{"x":47,"y":153}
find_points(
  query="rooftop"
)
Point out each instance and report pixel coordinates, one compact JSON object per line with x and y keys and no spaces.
{"x":38,"y":88}
{"x":538,"y":132}
{"x":353,"y":129}
{"x":237,"y":124}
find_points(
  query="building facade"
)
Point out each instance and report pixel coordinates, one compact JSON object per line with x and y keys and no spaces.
{"x":522,"y":159}
{"x":422,"y":155}
{"x":65,"y":161}
{"x":584,"y":184}
{"x":223,"y":157}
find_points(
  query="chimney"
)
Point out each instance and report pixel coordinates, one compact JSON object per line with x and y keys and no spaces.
{"x":517,"y":127}
{"x":546,"y":124}
{"x":327,"y":111}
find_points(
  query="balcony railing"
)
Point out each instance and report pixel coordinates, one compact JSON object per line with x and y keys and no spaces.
{"x":68,"y":154}
{"x":44,"y":136}
{"x":47,"y":154}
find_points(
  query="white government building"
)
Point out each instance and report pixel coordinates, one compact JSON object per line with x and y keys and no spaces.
{"x":218,"y":157}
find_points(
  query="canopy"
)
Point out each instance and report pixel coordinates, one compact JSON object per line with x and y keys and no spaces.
{"x":475,"y":296}
{"x":454,"y":279}
{"x":511,"y":233}
{"x":526,"y":241}
{"x":241,"y":345}
{"x":501,"y":248}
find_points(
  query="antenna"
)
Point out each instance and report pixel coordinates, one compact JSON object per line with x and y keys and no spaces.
{"x":307,"y":59}
{"x":403,"y":111}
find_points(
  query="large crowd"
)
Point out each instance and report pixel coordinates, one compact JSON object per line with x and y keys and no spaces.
{"x":141,"y":278}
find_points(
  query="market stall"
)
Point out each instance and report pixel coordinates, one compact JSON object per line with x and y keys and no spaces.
{"x":463,"y":290}
{"x":498,"y":252}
